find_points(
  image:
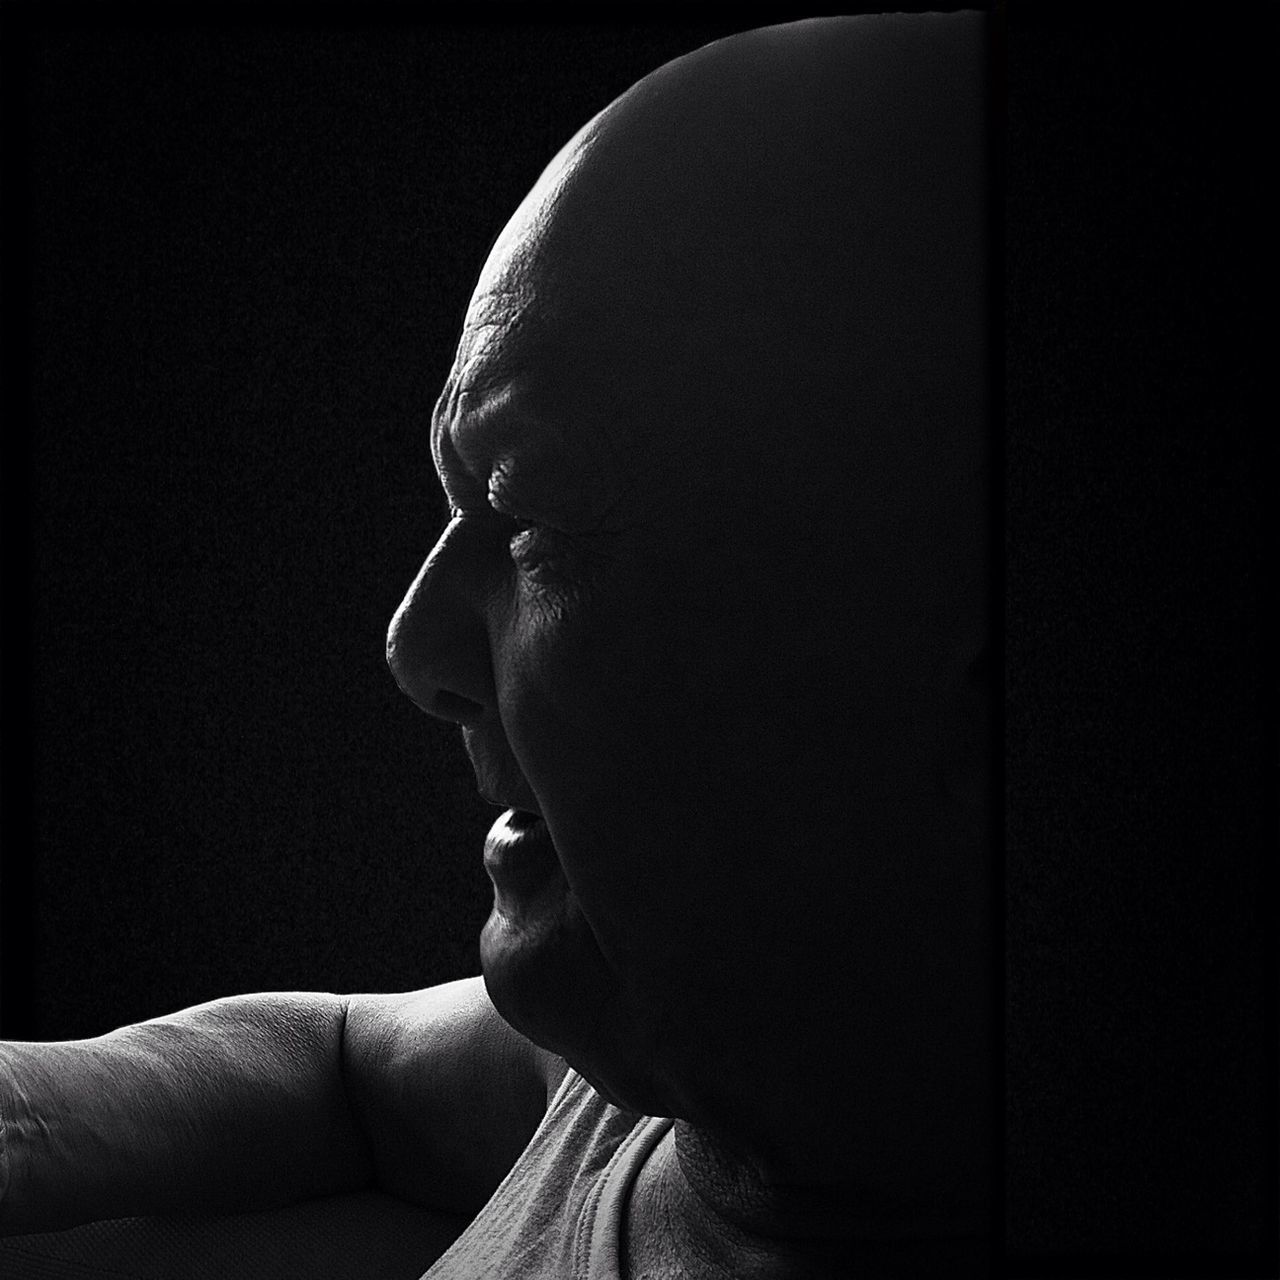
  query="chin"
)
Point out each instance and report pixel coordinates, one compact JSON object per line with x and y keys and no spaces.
{"x":552,"y":985}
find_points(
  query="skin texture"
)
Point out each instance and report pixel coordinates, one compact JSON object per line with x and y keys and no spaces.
{"x":711,"y":602}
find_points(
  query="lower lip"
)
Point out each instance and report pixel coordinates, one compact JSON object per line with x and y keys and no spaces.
{"x":518,"y":853}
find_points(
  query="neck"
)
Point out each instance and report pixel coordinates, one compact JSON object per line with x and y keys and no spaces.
{"x":823,"y":1106}
{"x":700,"y":1210}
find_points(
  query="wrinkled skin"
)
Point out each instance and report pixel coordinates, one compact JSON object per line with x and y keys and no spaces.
{"x":709,"y":603}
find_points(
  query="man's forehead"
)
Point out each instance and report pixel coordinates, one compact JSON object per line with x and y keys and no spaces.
{"x":492,"y":385}
{"x":489,"y":418}
{"x":529,"y":351}
{"x":509,"y":399}
{"x":496,"y":328}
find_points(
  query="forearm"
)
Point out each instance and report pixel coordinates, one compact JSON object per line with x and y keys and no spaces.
{"x":234,"y":1105}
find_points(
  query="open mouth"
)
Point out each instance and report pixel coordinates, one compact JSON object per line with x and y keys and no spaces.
{"x":518,"y":852}
{"x":521,"y":819}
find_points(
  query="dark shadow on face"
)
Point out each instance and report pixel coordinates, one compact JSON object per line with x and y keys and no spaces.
{"x":714,"y":591}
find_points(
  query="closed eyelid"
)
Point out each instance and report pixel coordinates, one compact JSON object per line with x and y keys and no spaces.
{"x":499,"y":485}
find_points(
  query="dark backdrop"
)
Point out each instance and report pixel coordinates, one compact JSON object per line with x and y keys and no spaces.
{"x":247,"y":252}
{"x":1140,"y":660}
{"x":236,"y":259}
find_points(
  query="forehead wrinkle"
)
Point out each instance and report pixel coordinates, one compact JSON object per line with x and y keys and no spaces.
{"x":440,"y":416}
{"x":515,"y":386}
{"x":477,"y":430}
{"x":500,"y":393}
{"x":481,"y":393}
{"x":453,"y":407}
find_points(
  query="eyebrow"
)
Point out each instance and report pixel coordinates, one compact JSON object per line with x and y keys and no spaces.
{"x":467,"y":440}
{"x":497,"y":416}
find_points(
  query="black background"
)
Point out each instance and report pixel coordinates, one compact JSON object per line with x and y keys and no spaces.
{"x":236,"y":260}
{"x":250,"y":250}
{"x":1140,"y":569}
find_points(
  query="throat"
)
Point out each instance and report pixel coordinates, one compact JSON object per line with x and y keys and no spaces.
{"x":685,"y":1219}
{"x":656,"y":1232}
{"x":671,"y":1233}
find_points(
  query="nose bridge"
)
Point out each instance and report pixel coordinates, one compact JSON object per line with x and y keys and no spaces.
{"x":402,"y":621}
{"x":437,"y":644}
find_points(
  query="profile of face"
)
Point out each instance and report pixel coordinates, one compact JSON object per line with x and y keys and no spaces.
{"x":712,"y":445}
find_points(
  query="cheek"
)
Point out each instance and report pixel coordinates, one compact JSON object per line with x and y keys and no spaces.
{"x":578,"y":706}
{"x":569,"y":720}
{"x":634,"y":706}
{"x":587,"y":701}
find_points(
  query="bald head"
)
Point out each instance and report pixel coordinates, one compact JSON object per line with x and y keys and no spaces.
{"x":810,"y":195}
{"x":714,"y":442}
{"x":766,"y":261}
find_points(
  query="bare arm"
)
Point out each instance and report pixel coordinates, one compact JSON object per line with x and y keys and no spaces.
{"x":447,"y":1094}
{"x":261,"y":1101}
{"x":237,"y":1104}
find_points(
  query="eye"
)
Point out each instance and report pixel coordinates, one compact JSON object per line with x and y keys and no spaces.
{"x":536,"y":548}
{"x":530,"y":544}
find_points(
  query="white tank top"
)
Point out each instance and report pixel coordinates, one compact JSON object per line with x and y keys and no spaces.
{"x":558,"y":1214}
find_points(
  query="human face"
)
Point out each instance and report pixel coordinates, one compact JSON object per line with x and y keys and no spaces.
{"x":563,"y":620}
{"x":690,"y":611}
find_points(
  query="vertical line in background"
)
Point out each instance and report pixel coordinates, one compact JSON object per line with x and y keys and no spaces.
{"x":17,"y":852}
{"x":1268,"y":902}
{"x":996,"y":125}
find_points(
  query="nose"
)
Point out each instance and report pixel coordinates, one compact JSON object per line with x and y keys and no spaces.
{"x":438,"y":643}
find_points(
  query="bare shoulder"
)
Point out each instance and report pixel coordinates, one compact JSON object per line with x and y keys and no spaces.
{"x":447,"y":1094}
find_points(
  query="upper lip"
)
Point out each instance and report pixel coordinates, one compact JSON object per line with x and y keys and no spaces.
{"x":499,"y":779}
{"x":523,"y":806}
